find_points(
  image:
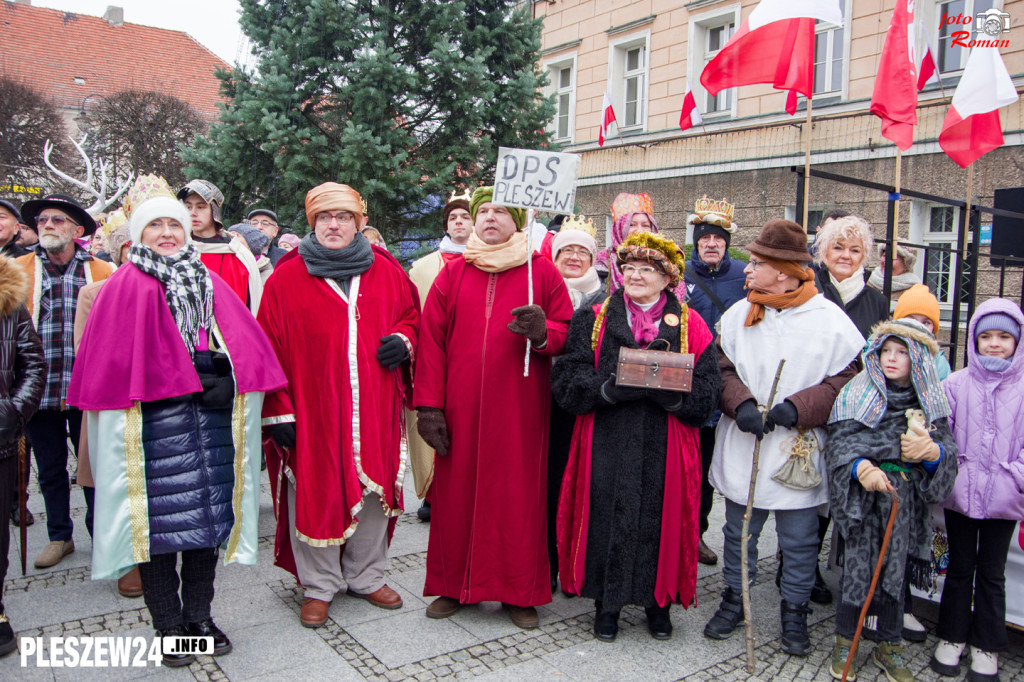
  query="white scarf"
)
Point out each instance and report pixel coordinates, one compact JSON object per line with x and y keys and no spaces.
{"x":849,"y":287}
{"x":448,"y":246}
{"x":899,"y":282}
{"x":580,"y":287}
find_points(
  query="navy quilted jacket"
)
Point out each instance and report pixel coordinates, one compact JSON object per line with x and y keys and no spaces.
{"x":189,"y":474}
{"x":726,"y":282}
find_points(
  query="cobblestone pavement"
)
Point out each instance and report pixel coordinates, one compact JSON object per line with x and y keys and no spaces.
{"x":258,"y":607}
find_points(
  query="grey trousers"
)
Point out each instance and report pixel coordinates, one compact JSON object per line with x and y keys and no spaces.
{"x":321,"y":570}
{"x":798,"y":538}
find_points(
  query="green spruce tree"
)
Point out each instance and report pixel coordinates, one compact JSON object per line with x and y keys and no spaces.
{"x":403,"y":100}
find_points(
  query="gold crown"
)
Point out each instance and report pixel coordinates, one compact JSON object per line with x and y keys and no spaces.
{"x":466,"y":196}
{"x":145,"y":188}
{"x":705,"y":206}
{"x":581,"y":223}
{"x":112,"y":221}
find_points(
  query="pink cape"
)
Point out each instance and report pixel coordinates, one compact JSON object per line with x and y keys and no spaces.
{"x":677,"y":555}
{"x":132,"y":350}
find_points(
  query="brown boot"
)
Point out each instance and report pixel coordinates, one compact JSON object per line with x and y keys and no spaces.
{"x":130,"y":584}
{"x":314,"y":612}
{"x":705,"y":554}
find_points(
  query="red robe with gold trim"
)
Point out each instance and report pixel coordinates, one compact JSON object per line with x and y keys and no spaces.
{"x":332,"y":378}
{"x":488,"y":511}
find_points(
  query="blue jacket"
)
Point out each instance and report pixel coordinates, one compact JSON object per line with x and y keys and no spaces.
{"x":726,"y":282}
{"x":189,"y":474}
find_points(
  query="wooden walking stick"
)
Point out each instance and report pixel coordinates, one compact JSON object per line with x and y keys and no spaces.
{"x":23,"y":500}
{"x":745,"y":534}
{"x":894,"y":496}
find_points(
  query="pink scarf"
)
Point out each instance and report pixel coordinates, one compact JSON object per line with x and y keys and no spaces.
{"x":644,"y":323}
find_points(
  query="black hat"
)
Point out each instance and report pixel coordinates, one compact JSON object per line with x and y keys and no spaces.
{"x":701,"y":229}
{"x":262,"y":211}
{"x":30,"y":210}
{"x":10,"y":207}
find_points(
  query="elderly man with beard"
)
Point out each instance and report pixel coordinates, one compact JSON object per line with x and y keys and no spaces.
{"x":342,"y":317}
{"x":488,"y":422}
{"x":57,"y":269}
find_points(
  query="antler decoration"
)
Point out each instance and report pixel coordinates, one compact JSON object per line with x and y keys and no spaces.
{"x":101,"y":202}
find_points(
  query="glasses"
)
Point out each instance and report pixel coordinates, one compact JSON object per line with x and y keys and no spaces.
{"x":579,"y":253}
{"x":266,"y":223}
{"x":755,"y":264}
{"x":644,"y":270}
{"x":342,"y":218}
{"x":57,"y":220}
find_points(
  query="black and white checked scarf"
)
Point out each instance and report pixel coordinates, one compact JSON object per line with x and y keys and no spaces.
{"x":187,"y":287}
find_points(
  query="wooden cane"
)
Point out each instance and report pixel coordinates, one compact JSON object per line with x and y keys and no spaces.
{"x":23,"y":500}
{"x":745,"y":533}
{"x":894,"y":496}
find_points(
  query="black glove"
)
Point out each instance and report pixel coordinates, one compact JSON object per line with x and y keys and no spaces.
{"x":749,"y":419}
{"x":783,"y":414}
{"x":283,"y":434}
{"x":612,"y":393}
{"x":669,"y":400}
{"x":392,"y":351}
{"x":218,"y":391}
{"x":433,"y":429}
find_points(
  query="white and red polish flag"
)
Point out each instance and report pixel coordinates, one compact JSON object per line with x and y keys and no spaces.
{"x":690,"y":115}
{"x":894,"y":99}
{"x":972,"y":127}
{"x":926,"y":71}
{"x":607,"y":118}
{"x":774,"y":45}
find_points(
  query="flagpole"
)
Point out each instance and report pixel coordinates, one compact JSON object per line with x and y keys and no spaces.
{"x":967,"y":207}
{"x":807,"y":165}
{"x":896,"y":203}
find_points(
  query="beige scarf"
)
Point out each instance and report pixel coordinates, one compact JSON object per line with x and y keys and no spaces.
{"x":496,"y":257}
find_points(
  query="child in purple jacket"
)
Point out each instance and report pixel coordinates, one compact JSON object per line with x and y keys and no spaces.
{"x":987,"y":402}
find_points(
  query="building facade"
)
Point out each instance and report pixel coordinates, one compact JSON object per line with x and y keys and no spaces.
{"x":645,"y":53}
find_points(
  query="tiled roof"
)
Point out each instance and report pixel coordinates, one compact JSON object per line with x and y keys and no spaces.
{"x":71,"y":56}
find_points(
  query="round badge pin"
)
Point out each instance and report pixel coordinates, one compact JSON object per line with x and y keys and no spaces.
{"x":672,"y":320}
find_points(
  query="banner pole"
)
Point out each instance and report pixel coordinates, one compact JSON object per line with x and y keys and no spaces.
{"x":807,"y":166}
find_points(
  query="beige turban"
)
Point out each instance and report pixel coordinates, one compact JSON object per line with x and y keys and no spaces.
{"x":332,"y":196}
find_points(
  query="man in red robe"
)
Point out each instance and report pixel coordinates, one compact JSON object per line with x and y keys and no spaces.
{"x":488,"y":422}
{"x":229,"y":257}
{"x":342,"y":317}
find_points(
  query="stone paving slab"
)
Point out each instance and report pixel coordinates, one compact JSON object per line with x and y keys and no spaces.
{"x":258,"y":607}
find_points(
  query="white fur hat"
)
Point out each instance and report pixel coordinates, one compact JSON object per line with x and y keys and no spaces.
{"x":151,"y":198}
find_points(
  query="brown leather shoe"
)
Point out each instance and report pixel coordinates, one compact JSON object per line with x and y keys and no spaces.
{"x":130,"y":584}
{"x":314,"y":612}
{"x":385,"y":598}
{"x":523,"y":616}
{"x":705,"y":554}
{"x":443,"y":607}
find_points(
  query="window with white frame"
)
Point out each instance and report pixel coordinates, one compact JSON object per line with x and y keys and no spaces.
{"x":829,"y":48}
{"x":628,"y":80}
{"x":715,"y":38}
{"x":708,"y":34}
{"x":939,"y":269}
{"x":953,"y":57}
{"x":562,"y":79}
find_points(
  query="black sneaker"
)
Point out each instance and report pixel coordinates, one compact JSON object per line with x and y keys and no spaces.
{"x":795,"y":640}
{"x":176,"y":660}
{"x":8,"y":643}
{"x":206,"y":628}
{"x":659,"y":624}
{"x":727,"y":618}
{"x":423,"y":513}
{"x":16,"y":517}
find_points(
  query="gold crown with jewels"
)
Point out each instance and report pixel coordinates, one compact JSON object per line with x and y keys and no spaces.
{"x":580,"y":222}
{"x":713,"y":212}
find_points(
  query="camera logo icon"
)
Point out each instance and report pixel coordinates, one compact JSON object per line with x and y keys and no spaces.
{"x":992,"y":22}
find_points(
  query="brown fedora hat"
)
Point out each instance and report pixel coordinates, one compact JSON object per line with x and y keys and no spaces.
{"x":781,"y":240}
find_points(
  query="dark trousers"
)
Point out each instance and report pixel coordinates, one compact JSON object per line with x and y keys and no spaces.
{"x":8,"y":475}
{"x":707,"y":491}
{"x":48,"y":431}
{"x":160,"y":584}
{"x":559,"y":440}
{"x":977,"y":571}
